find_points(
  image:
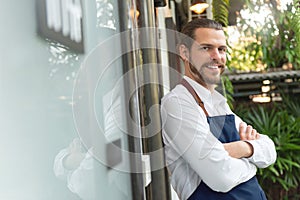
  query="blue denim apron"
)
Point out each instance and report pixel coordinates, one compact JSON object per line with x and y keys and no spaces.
{"x":223,"y":128}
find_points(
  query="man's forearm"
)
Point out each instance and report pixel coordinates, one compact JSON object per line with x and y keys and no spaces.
{"x":239,"y":149}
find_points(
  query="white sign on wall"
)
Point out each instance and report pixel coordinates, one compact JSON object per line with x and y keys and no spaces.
{"x":61,"y":20}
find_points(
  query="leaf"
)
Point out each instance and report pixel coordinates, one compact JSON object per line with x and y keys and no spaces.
{"x":272,"y":169}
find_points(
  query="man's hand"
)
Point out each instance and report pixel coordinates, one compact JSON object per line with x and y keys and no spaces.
{"x":247,"y":132}
{"x":242,"y":149}
{"x":76,"y":155}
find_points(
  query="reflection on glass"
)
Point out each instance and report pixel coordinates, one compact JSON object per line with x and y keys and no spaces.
{"x":61,"y":56}
{"x":77,"y":166}
{"x":105,"y":16}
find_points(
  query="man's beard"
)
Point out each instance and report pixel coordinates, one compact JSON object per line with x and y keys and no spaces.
{"x":200,"y":76}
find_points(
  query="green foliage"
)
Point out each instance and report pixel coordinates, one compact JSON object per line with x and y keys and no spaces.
{"x":227,"y":90}
{"x":295,"y":23}
{"x":282,"y":125}
{"x":246,"y":56}
{"x":220,"y":11}
{"x":270,"y":43}
{"x":281,"y":47}
{"x":292,"y":106}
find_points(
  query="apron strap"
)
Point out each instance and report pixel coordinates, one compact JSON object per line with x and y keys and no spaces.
{"x":194,"y":94}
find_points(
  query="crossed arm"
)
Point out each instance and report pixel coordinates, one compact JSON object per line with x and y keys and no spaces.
{"x":242,"y":148}
{"x":187,"y":132}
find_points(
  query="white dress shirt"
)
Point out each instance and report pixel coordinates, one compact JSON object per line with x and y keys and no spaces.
{"x":192,"y":152}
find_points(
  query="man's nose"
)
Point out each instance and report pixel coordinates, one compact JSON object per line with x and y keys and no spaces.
{"x":215,"y":54}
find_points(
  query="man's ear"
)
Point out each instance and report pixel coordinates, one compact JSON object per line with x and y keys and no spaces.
{"x":184,"y":52}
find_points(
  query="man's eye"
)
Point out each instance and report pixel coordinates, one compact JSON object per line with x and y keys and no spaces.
{"x":204,"y":48}
{"x":224,"y":50}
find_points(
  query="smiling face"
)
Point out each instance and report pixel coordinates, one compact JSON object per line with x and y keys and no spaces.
{"x":207,"y":55}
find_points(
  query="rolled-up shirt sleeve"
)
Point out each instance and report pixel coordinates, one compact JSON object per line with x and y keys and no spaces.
{"x":59,"y":170}
{"x":186,"y":130}
{"x":264,"y":151}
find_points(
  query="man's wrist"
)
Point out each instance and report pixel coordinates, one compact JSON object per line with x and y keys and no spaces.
{"x":248,"y":149}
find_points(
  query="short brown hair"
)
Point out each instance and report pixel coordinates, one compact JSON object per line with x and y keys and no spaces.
{"x":188,"y":31}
